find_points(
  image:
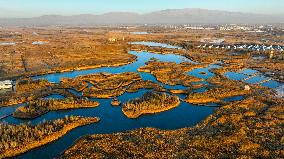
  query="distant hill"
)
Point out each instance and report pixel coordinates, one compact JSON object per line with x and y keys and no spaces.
{"x":170,"y":16}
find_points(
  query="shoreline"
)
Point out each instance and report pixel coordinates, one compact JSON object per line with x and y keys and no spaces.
{"x":15,"y":77}
{"x":60,"y":107}
{"x":200,"y":133}
{"x":145,"y":112}
{"x":27,"y":147}
{"x":44,"y":94}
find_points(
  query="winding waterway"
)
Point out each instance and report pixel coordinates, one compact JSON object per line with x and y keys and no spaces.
{"x":112,"y":118}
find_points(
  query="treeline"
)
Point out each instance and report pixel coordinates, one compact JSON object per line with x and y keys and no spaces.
{"x":76,"y":84}
{"x":29,"y":85}
{"x":134,"y":87}
{"x":150,"y":102}
{"x":13,"y":136}
{"x":215,"y":95}
{"x":39,"y":107}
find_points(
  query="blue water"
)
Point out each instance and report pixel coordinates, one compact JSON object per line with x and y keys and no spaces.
{"x":155,"y":44}
{"x":8,"y":110}
{"x":114,"y":121}
{"x":112,"y":118}
{"x":54,"y":96}
{"x":76,"y":93}
{"x":199,"y":90}
{"x":249,"y":71}
{"x":255,"y":79}
{"x":203,"y":73}
{"x":211,"y":105}
{"x":143,"y":57}
{"x":235,"y":76}
{"x":245,"y":74}
{"x":271,"y":84}
{"x":233,"y":99}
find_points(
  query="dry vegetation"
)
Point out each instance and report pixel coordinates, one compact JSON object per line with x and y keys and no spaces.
{"x":28,"y":90}
{"x":111,"y":85}
{"x":29,"y":85}
{"x":252,"y":128}
{"x":75,"y":84}
{"x":135,"y":86}
{"x":216,"y":95}
{"x":17,"y":139}
{"x":189,"y":39}
{"x":171,"y":73}
{"x":79,"y":49}
{"x":37,"y":108}
{"x":150,"y":103}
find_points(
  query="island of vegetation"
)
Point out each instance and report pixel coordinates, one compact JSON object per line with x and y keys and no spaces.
{"x":179,"y":91}
{"x":252,"y":128}
{"x":75,"y":84}
{"x":109,"y":85}
{"x":28,"y":85}
{"x":149,"y":103}
{"x":17,"y":139}
{"x":115,"y":102}
{"x":222,"y":88}
{"x":215,"y":95}
{"x":105,"y":85}
{"x":171,"y":73}
{"x":39,"y":107}
{"x":135,"y":86}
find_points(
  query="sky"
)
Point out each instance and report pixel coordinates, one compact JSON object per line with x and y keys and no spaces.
{"x":35,"y":8}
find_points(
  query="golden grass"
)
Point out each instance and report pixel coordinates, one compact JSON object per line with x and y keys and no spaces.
{"x":52,"y":137}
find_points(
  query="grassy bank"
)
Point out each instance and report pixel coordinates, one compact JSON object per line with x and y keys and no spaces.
{"x":35,"y":136}
{"x":149,"y":103}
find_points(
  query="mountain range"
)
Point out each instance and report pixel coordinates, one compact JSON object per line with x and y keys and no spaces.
{"x":169,"y":16}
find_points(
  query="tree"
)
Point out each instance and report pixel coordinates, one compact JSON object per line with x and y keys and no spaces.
{"x":12,"y":60}
{"x":2,"y":67}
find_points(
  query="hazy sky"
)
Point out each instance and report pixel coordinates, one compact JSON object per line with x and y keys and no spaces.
{"x":33,"y":8}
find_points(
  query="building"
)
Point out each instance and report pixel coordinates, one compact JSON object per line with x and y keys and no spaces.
{"x":6,"y":84}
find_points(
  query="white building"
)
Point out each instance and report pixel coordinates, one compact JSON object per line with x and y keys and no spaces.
{"x":6,"y":84}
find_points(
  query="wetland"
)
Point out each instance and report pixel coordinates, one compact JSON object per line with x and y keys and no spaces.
{"x":167,"y":98}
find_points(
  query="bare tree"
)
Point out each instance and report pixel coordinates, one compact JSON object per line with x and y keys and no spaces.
{"x":2,"y":66}
{"x":24,"y":63}
{"x":12,"y":60}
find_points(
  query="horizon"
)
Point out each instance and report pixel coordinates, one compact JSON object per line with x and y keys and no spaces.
{"x":33,"y":8}
{"x":139,"y":13}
